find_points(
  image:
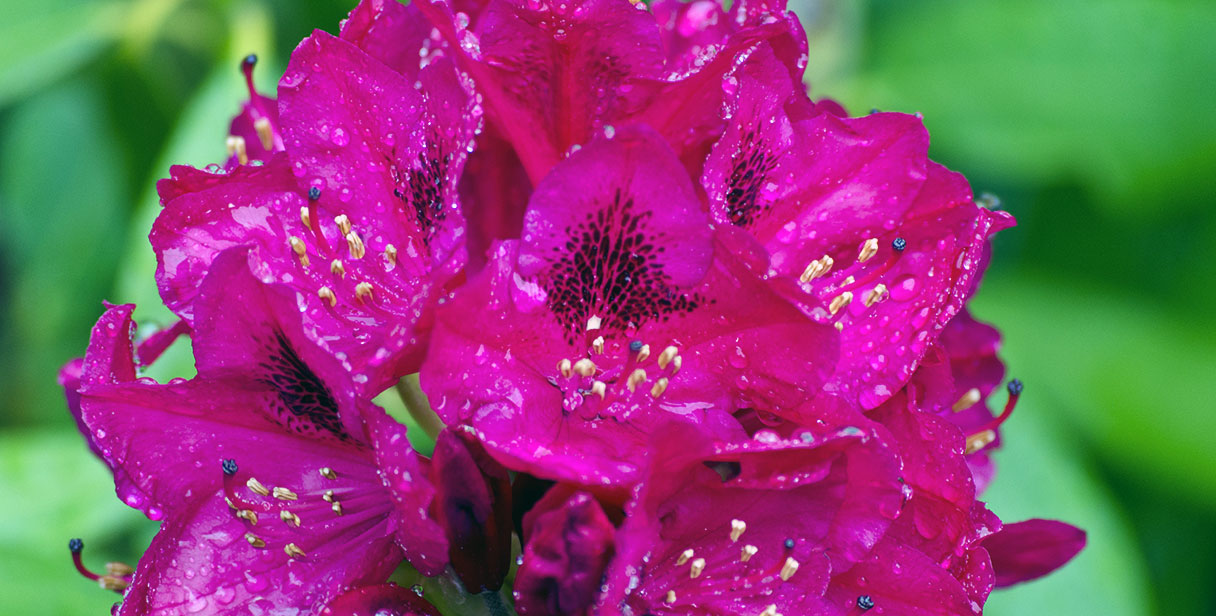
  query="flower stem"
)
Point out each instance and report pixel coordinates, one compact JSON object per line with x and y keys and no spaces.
{"x":419,"y":407}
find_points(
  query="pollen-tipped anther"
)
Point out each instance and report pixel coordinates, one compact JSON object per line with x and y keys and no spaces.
{"x":294,"y":551}
{"x":667,"y":355}
{"x":637,"y":377}
{"x":868,"y":250}
{"x":301,"y":250}
{"x":967,"y":400}
{"x":980,"y":440}
{"x":670,"y":598}
{"x":336,"y":507}
{"x":748,"y":552}
{"x":328,"y":473}
{"x":390,"y":255}
{"x":599,"y":388}
{"x":737,"y":528}
{"x":841,"y":301}
{"x":659,"y":387}
{"x":256,"y":487}
{"x":771,"y":610}
{"x":584,"y":367}
{"x":696,"y":568}
{"x":685,"y":556}
{"x":236,"y":147}
{"x":248,"y":515}
{"x":363,"y":291}
{"x":354,"y":244}
{"x":328,"y":496}
{"x":305,"y":217}
{"x":289,"y":518}
{"x":565,"y":367}
{"x":284,"y":494}
{"x":343,"y":222}
{"x":327,"y":294}
{"x":265,"y":132}
{"x":816,"y":268}
{"x":875,"y":295}
{"x":789,"y":568}
{"x":644,"y":352}
{"x":676,"y":362}
{"x":337,"y":269}
{"x":254,"y":540}
{"x":597,"y":345}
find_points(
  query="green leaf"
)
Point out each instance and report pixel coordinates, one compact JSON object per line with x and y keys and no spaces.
{"x":41,"y":41}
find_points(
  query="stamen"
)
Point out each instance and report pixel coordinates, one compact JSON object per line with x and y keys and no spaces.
{"x":636,"y":378}
{"x":748,"y":552}
{"x":667,"y":355}
{"x":297,"y":246}
{"x":236,"y":145}
{"x":841,"y":301}
{"x":875,"y":295}
{"x":868,"y":250}
{"x":328,"y":496}
{"x":328,"y":295}
{"x":597,"y":345}
{"x":817,"y":268}
{"x":839,"y":326}
{"x":771,"y":610}
{"x":968,"y":400}
{"x":390,"y":253}
{"x":980,"y":440}
{"x":110,"y":582}
{"x":77,"y":546}
{"x":670,"y":598}
{"x":565,"y":368}
{"x":119,"y":569}
{"x":328,"y":473}
{"x":660,"y":386}
{"x":337,"y":269}
{"x":294,"y":551}
{"x":254,"y":541}
{"x":363,"y":291}
{"x":289,"y":518}
{"x":248,"y":514}
{"x":343,"y":223}
{"x":305,"y":219}
{"x":684,"y":556}
{"x":584,"y":367}
{"x":337,"y":507}
{"x":355,"y":244}
{"x":257,"y":487}
{"x":594,"y":323}
{"x":695,"y":569}
{"x":644,"y":352}
{"x":737,"y":528}
{"x":265,"y":132}
{"x":676,"y":362}
{"x":599,"y":388}
{"x":789,"y":569}
{"x":285,"y":494}
{"x":985,"y":434}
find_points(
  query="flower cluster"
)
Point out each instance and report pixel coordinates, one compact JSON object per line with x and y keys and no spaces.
{"x":697,"y":341}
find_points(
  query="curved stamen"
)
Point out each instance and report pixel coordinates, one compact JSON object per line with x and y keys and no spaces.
{"x":117,"y":577}
{"x":985,"y":434}
{"x":77,"y":546}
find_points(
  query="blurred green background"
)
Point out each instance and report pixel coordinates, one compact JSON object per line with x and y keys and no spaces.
{"x":1094,"y":121}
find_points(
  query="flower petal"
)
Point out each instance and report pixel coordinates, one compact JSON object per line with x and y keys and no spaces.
{"x":1028,"y":550}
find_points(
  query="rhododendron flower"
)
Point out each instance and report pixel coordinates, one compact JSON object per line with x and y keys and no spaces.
{"x":699,"y":341}
{"x":260,"y":468}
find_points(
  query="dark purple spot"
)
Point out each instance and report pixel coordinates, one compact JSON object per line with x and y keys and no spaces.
{"x":422,"y":187}
{"x":752,"y":163}
{"x":308,"y":404}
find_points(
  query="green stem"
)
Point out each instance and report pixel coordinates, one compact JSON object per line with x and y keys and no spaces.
{"x":419,"y":407}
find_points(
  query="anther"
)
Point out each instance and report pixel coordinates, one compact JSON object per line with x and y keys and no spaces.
{"x":599,"y":388}
{"x":265,"y":133}
{"x":841,"y":301}
{"x":305,"y":219}
{"x":110,"y":582}
{"x":390,"y":253}
{"x":748,"y":552}
{"x":294,"y":551}
{"x":355,"y":244}
{"x":865,"y":602}
{"x":659,"y":387}
{"x":670,"y":598}
{"x":789,"y":569}
{"x":967,"y":400}
{"x":337,"y":507}
{"x":119,"y":569}
{"x":247,"y":514}
{"x":298,"y":247}
{"x":328,"y":496}
{"x":839,"y":326}
{"x":644,"y":352}
{"x":980,"y":440}
{"x":343,"y":222}
{"x":667,"y":355}
{"x":737,"y":528}
{"x":695,"y":569}
{"x":363,"y":291}
{"x":285,"y":494}
{"x":597,"y":345}
{"x":328,"y":473}
{"x":771,"y":610}
{"x":337,"y":269}
{"x":314,"y":193}
{"x":257,"y":487}
{"x":289,"y":518}
{"x":899,"y":244}
{"x":565,"y":368}
{"x":236,"y":146}
{"x":584,"y":367}
{"x":875,"y":295}
{"x":594,"y":322}
{"x":817,"y":268}
{"x":676,"y":362}
{"x":229,"y":466}
{"x":636,"y":378}
{"x":254,"y":540}
{"x":868,"y":250}
{"x":684,"y":556}
{"x":327,"y":294}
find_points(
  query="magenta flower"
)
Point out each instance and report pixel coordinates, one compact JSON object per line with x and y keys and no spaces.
{"x":568,"y":543}
{"x":379,"y":600}
{"x":360,"y":213}
{"x":618,"y":309}
{"x":260,"y":468}
{"x":254,"y":133}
